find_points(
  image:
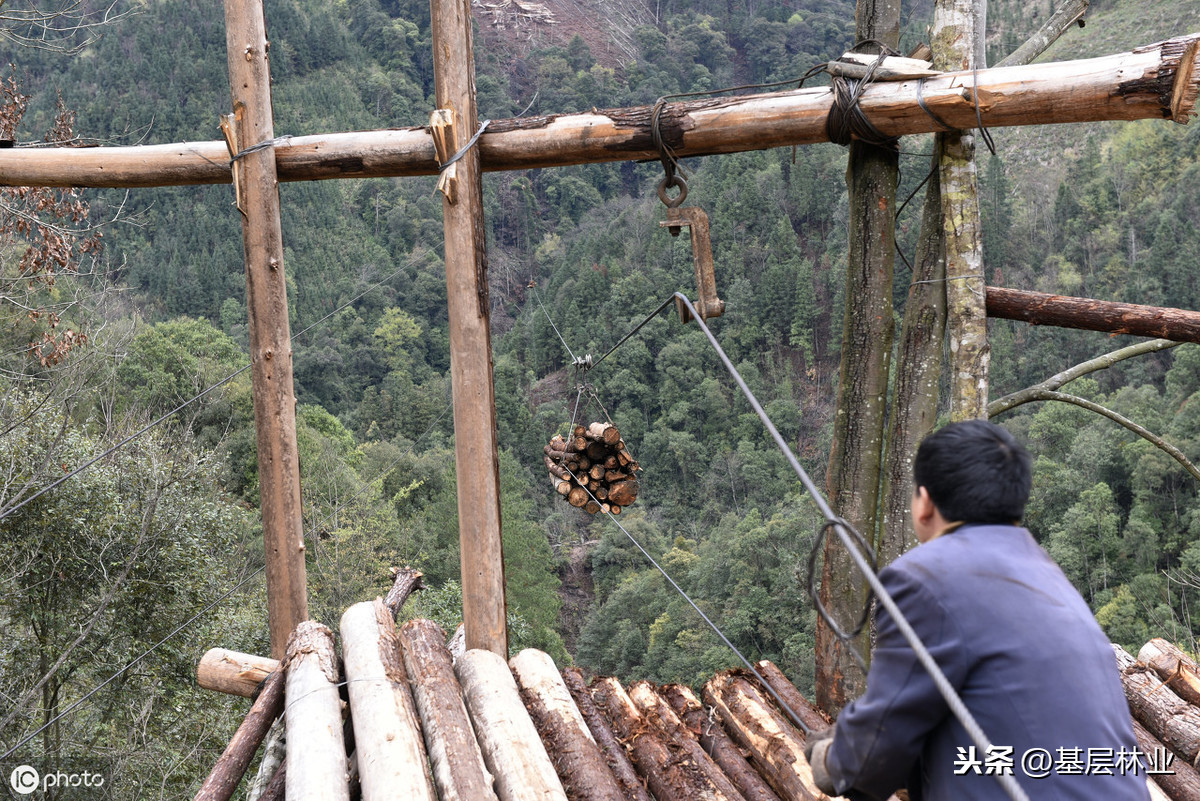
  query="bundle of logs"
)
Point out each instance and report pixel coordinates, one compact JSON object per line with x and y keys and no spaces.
{"x":593,"y":469}
{"x":399,"y":715}
{"x":1162,"y":686}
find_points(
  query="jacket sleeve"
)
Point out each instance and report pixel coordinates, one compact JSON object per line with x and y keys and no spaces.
{"x":880,"y":735}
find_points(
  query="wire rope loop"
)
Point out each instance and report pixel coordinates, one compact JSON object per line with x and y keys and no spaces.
{"x":672,"y":182}
{"x":833,"y":624}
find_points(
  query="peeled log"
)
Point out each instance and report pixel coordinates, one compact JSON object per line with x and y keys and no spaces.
{"x":571,"y":747}
{"x":511,"y":747}
{"x":716,"y":742}
{"x":614,"y":753}
{"x":1157,"y":81}
{"x":1184,"y":783}
{"x":387,"y":733}
{"x":233,"y":672}
{"x":672,"y":776}
{"x":1174,"y":667}
{"x":776,"y":749}
{"x":807,"y":711}
{"x":659,"y":713}
{"x":314,"y":717}
{"x":458,"y":767}
{"x":1168,"y":717}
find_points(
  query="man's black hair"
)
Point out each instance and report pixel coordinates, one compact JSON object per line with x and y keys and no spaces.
{"x":975,"y":472}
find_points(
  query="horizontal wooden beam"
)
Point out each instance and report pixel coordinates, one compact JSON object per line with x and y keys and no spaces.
{"x":232,"y":672}
{"x":1157,"y":81}
{"x":1038,"y":308}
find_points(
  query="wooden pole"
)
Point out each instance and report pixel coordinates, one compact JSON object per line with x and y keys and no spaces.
{"x":477,"y":461}
{"x":1158,"y":81}
{"x":257,"y":194}
{"x":1039,"y":308}
{"x":231,"y":766}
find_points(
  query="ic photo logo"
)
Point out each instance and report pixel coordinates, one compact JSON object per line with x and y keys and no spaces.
{"x":24,"y":779}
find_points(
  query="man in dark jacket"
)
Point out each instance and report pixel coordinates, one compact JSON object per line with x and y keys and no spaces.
{"x":1014,"y":638}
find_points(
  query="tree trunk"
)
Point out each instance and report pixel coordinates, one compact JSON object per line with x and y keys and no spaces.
{"x":1174,"y":667}
{"x":918,"y":375}
{"x":954,"y":41}
{"x":671,"y":776}
{"x":458,"y":767}
{"x":1184,"y":783}
{"x":712,"y":737}
{"x":511,"y":747}
{"x":1167,"y":716}
{"x":571,"y":747}
{"x":776,"y":749}
{"x":614,"y":753}
{"x":856,"y":458}
{"x":809,"y":714}
{"x":658,"y":712}
{"x":314,"y":717}
{"x":231,"y":767}
{"x":387,"y":732}
{"x":1138,"y":85}
{"x":232,"y":672}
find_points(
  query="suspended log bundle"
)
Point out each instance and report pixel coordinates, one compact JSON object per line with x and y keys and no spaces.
{"x":592,"y":469}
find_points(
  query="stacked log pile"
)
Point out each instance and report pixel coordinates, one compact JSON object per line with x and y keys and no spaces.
{"x":1162,"y":686}
{"x":592,"y":469}
{"x":427,"y":725}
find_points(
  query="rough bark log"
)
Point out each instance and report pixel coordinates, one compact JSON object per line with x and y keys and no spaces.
{"x":387,"y":732}
{"x":277,"y":787}
{"x":231,"y":766}
{"x":406,"y":581}
{"x":806,"y":710}
{"x":1174,"y":667}
{"x":615,"y":756}
{"x":1184,"y":783}
{"x":576,"y":756}
{"x":671,"y":776}
{"x":1137,"y":85}
{"x":717,"y":744}
{"x":1168,"y":717}
{"x":658,"y":712}
{"x":511,"y":747}
{"x":953,"y":43}
{"x":776,"y":749}
{"x":233,"y":672}
{"x":314,"y":717}
{"x":458,"y":767}
{"x":1038,"y":308}
{"x":457,"y":645}
{"x":623,"y":493}
{"x":272,"y":761}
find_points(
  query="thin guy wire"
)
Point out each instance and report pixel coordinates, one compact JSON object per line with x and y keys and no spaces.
{"x":199,"y":614}
{"x":538,"y":296}
{"x":14,"y":509}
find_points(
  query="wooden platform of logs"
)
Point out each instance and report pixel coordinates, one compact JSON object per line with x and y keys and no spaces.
{"x":397,"y":716}
{"x":592,"y":469}
{"x":1162,"y":686}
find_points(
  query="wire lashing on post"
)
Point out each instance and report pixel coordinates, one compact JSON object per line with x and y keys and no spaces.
{"x":846,"y":120}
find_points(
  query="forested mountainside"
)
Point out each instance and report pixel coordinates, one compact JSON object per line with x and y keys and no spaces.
{"x":103,"y":567}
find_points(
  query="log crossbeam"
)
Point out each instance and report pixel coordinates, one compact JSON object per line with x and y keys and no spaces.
{"x":1159,"y":81}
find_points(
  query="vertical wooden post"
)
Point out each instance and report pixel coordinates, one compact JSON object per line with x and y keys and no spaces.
{"x":857,"y":454}
{"x":257,"y":192}
{"x":476,"y":457}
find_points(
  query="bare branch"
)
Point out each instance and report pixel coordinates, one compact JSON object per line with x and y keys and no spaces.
{"x":1009,"y":402}
{"x":1066,"y":15}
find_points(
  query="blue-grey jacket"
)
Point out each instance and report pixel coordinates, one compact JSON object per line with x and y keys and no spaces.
{"x":1025,"y":654}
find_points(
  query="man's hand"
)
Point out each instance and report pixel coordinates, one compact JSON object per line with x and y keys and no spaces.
{"x":815,"y":749}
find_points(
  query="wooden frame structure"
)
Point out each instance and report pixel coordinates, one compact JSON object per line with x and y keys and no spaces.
{"x":1158,"y":81}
